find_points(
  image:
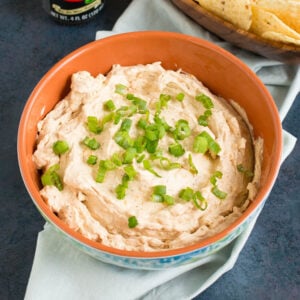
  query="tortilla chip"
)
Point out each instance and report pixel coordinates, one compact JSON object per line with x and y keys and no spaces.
{"x":238,"y":13}
{"x":287,"y":11}
{"x":279,"y":37}
{"x":264,"y":21}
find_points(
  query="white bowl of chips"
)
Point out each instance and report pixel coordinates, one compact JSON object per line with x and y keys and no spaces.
{"x":270,"y":28}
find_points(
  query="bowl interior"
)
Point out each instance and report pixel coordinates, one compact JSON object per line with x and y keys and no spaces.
{"x":220,"y":71}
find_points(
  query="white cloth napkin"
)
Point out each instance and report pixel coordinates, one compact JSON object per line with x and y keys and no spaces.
{"x":61,"y":271}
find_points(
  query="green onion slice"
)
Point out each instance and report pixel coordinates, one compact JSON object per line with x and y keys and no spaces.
{"x":116,"y":159}
{"x":92,"y":160}
{"x":205,"y":100}
{"x":132,"y":222}
{"x":130,"y":171}
{"x":193,"y":168}
{"x":91,"y":143}
{"x":212,"y":145}
{"x":180,"y":97}
{"x":109,"y":105}
{"x":186,"y":194}
{"x":199,"y":201}
{"x":169,"y":200}
{"x":60,"y":147}
{"x":220,"y":194}
{"x":167,"y":164}
{"x":148,"y":167}
{"x":216,"y":175}
{"x":121,"y":89}
{"x":121,"y":191}
{"x":200,"y":144}
{"x":51,"y":177}
{"x":176,"y":149}
{"x":182,"y":130}
{"x":123,"y":139}
{"x":160,"y":190}
{"x":101,"y":172}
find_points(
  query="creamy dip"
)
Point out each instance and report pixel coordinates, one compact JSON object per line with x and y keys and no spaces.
{"x":202,"y":188}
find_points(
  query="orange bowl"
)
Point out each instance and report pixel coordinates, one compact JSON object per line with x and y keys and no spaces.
{"x":220,"y":71}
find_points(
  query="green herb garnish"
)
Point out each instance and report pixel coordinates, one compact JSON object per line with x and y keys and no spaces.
{"x":176,"y":149}
{"x":91,"y":143}
{"x":132,"y":222}
{"x":92,"y":160}
{"x":60,"y":147}
{"x":51,"y":177}
{"x":205,"y":100}
{"x":109,"y":105}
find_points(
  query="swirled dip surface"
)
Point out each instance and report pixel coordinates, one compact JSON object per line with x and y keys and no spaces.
{"x":93,"y":208}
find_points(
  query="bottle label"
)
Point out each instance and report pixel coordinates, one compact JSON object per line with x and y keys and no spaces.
{"x":74,"y":11}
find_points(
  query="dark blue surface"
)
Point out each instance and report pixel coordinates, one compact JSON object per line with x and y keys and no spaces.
{"x":30,"y":43}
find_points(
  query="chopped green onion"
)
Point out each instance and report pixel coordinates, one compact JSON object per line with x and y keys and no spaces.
{"x":121,"y":89}
{"x":107,"y":118}
{"x":180,"y":97}
{"x":130,"y":171}
{"x":176,"y":150}
{"x":124,"y":111}
{"x":93,"y":125}
{"x":121,"y":191}
{"x":142,"y":123}
{"x":186,"y":194}
{"x":212,"y":145}
{"x":163,"y":102}
{"x":151,"y":133}
{"x":140,"y":158}
{"x":159,"y":195}
{"x":129,"y":155}
{"x":166,"y":164}
{"x":92,"y":160}
{"x":140,"y":144}
{"x":157,"y":198}
{"x":101,"y":172}
{"x":91,"y":143}
{"x":157,"y":154}
{"x":169,"y":200}
{"x":148,"y":167}
{"x":160,"y":122}
{"x":203,"y":119}
{"x":50,"y":177}
{"x":151,"y":146}
{"x":109,"y":165}
{"x":182,"y":130}
{"x":199,"y":201}
{"x":117,"y":118}
{"x":130,"y":96}
{"x":116,"y":159}
{"x":215,"y":190}
{"x":193,"y":168}
{"x":123,"y":139}
{"x":160,"y":190}
{"x":200,"y":144}
{"x":109,"y":105}
{"x":213,"y":178}
{"x":60,"y":147}
{"x":220,"y":194}
{"x":126,"y":179}
{"x":132,"y":222}
{"x":205,"y":100}
{"x":126,"y":124}
{"x":140,"y":103}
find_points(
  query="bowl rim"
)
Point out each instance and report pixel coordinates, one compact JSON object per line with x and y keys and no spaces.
{"x":49,"y":215}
